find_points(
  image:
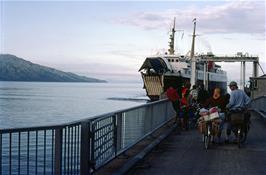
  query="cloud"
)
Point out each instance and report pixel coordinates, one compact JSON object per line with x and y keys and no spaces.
{"x":127,"y":53}
{"x":229,"y":17}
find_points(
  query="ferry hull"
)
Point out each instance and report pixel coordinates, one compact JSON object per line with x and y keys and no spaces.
{"x":156,"y":85}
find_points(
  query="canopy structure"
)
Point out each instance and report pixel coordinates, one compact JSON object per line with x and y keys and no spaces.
{"x":157,"y":64}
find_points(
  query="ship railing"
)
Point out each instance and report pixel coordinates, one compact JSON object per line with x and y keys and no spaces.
{"x":79,"y":147}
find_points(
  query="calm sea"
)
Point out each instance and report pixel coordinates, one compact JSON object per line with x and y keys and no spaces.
{"x":36,"y":103}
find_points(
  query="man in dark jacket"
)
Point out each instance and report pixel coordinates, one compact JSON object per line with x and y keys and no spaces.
{"x":203,"y":95}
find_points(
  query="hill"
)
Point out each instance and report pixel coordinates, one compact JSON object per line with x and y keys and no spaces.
{"x":13,"y":68}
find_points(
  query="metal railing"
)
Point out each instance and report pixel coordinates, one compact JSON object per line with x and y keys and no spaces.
{"x":79,"y":147}
{"x":259,"y":104}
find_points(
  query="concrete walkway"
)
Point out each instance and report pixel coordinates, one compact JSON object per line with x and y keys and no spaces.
{"x":184,"y":154}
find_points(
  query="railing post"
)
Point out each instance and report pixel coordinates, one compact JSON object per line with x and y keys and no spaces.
{"x":85,"y":148}
{"x":148,"y":119}
{"x":166,"y":111}
{"x":0,"y":152}
{"x":151,"y":118}
{"x":119,"y":136}
{"x":58,"y":151}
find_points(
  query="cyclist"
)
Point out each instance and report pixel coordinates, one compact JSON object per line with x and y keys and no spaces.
{"x":217,"y":100}
{"x":238,"y":102}
{"x":238,"y":98}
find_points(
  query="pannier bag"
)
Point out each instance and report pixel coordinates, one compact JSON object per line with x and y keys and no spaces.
{"x":215,"y":126}
{"x":202,"y":126}
{"x":237,"y":118}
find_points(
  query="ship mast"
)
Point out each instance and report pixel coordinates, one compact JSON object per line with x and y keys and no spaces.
{"x":171,"y":49}
{"x":192,"y":58}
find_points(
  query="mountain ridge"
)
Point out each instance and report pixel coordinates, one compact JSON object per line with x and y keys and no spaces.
{"x":13,"y":68}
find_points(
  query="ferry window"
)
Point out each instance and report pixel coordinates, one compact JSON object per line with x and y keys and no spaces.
{"x":169,"y":60}
{"x":176,"y":60}
{"x":172,"y":60}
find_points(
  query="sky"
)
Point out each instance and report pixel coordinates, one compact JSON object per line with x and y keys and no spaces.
{"x":110,"y":39}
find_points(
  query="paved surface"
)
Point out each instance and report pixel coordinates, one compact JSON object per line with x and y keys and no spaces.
{"x":184,"y":154}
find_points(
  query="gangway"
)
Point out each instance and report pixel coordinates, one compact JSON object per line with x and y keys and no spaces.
{"x":238,"y":58}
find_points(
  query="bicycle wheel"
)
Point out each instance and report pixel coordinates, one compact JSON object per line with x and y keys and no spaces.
{"x":207,"y":137}
{"x":206,"y":142}
{"x":244,"y":133}
{"x":239,"y":137}
{"x":192,"y":123}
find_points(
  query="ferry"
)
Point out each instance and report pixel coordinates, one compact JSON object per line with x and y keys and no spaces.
{"x":159,"y":72}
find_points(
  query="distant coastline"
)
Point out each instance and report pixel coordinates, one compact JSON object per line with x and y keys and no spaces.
{"x":13,"y":68}
{"x":25,"y":81}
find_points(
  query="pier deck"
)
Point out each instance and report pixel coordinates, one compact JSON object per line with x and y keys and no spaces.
{"x":184,"y":154}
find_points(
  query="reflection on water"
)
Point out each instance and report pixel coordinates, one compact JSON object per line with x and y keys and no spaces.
{"x":30,"y":103}
{"x":24,"y":104}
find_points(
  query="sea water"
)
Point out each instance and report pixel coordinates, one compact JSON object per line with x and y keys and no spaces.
{"x":24,"y":104}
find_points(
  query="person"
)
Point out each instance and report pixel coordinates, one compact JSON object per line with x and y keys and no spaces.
{"x":217,"y":100}
{"x":173,"y":96}
{"x":238,"y":102}
{"x":193,"y":105}
{"x":227,"y":98}
{"x":238,"y":98}
{"x":193,"y":94}
{"x":184,"y":105}
{"x":203,"y":95}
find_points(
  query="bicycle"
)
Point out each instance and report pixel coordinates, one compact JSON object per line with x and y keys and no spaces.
{"x":209,"y":128}
{"x":193,"y":115}
{"x":240,"y":126}
{"x":207,"y":134}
